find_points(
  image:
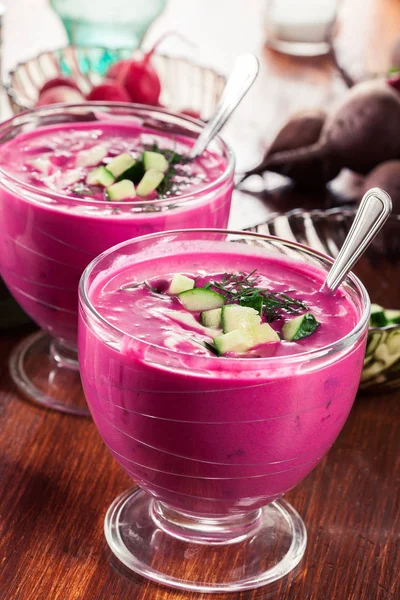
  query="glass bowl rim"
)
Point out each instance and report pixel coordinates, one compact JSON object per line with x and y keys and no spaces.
{"x":308,"y":355}
{"x":177,"y":200}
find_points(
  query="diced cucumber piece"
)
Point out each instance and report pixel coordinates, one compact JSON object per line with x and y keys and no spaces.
{"x":211,"y":318}
{"x":155,"y":160}
{"x":200,"y":299}
{"x":374,"y":339}
{"x":392,"y":316}
{"x":234,"y":317}
{"x":43,"y":165}
{"x":262,"y":334}
{"x":180,"y":283}
{"x":91,"y":157}
{"x":378,"y":317}
{"x":254,"y":301}
{"x":100,"y":176}
{"x":134,"y":173}
{"x":121,"y":191}
{"x":393,"y":343}
{"x":190,"y":321}
{"x":149,"y":182}
{"x":299,"y":327}
{"x":119,"y":164}
{"x":234,"y":341}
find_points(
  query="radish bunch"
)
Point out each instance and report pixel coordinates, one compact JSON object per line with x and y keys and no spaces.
{"x":127,"y":80}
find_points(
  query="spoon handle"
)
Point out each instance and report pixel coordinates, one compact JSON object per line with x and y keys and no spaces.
{"x":373,"y":212}
{"x":239,"y":82}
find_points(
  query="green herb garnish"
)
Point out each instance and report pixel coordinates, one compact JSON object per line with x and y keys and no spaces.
{"x":244,"y":290}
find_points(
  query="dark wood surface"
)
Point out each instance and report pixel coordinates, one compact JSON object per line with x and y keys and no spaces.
{"x":57,"y":478}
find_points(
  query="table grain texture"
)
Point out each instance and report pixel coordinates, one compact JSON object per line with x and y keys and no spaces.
{"x":56,"y":476}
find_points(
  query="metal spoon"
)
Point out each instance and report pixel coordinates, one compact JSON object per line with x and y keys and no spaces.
{"x":239,"y":82}
{"x":373,"y":212}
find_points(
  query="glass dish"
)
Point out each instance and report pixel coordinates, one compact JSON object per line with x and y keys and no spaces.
{"x":213,"y":447}
{"x":46,"y":241}
{"x":185,"y":85}
{"x":325,"y":231}
{"x":122,"y":23}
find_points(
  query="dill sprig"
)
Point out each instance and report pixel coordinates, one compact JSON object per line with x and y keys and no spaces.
{"x":244,"y":289}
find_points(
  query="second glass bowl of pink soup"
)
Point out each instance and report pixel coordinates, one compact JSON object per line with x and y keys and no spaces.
{"x":212,"y":440}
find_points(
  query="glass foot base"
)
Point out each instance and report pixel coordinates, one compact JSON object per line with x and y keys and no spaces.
{"x":46,"y":371}
{"x":146,"y":537}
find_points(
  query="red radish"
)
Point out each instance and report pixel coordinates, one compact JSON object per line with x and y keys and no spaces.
{"x":191,"y":113}
{"x":302,"y":130}
{"x":117,"y":70}
{"x":58,"y":81}
{"x":59,"y":94}
{"x":142,"y":82}
{"x":140,"y":78}
{"x":110,"y":91}
{"x":361,"y":133}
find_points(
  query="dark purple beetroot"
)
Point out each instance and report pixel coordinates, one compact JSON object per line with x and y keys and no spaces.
{"x":302,"y":130}
{"x":387,"y":177}
{"x":361,"y":133}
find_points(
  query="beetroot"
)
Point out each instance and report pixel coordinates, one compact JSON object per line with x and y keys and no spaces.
{"x":361,"y":133}
{"x":59,"y":94}
{"x":302,"y":130}
{"x":394,"y":81}
{"x":58,"y":81}
{"x":108,"y":91}
{"x":387,"y":177}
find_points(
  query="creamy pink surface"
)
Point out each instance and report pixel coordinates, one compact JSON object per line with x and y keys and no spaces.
{"x":207,"y":434}
{"x":47,"y":239}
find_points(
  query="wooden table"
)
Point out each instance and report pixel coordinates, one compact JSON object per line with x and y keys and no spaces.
{"x":56,"y":476}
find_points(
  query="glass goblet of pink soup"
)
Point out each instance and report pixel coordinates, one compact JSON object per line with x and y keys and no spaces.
{"x":214,"y":422}
{"x":71,"y":186}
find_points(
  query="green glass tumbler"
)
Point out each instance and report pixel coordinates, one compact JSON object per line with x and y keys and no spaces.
{"x":108,"y":23}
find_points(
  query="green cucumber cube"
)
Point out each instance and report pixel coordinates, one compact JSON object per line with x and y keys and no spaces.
{"x":149,"y":182}
{"x":155,"y":160}
{"x":392,"y":316}
{"x":299,"y":327}
{"x":235,"y":317}
{"x":180,"y":283}
{"x":119,"y":164}
{"x":121,"y":191}
{"x":234,"y":341}
{"x":100,"y":176}
{"x":211,"y":318}
{"x":133,"y":173}
{"x":262,"y":334}
{"x":200,"y":299}
{"x":378,"y":316}
{"x":91,"y":157}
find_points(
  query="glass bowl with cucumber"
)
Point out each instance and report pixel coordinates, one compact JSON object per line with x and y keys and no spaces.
{"x":325,"y":230}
